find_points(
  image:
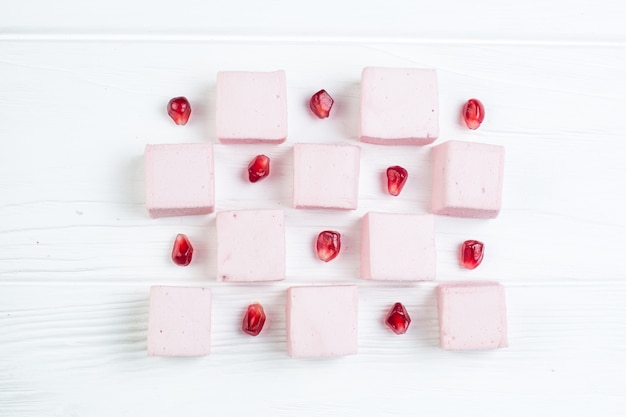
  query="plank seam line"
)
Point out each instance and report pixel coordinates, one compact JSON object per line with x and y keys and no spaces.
{"x":339,"y":39}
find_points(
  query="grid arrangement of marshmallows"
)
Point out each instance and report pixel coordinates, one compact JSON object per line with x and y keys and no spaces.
{"x":399,"y":106}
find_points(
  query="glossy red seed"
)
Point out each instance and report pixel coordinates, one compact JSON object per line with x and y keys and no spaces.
{"x":182,"y":250}
{"x":396,"y":178}
{"x":472,"y":252}
{"x":258,"y":168}
{"x":473,"y":113}
{"x":253,"y":320}
{"x":398,"y":319}
{"x":328,"y":245}
{"x":321,"y":103}
{"x":179,"y":110}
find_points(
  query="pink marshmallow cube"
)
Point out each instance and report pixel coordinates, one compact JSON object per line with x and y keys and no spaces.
{"x":472,"y":316}
{"x":326,"y":176}
{"x":251,"y":245}
{"x":399,"y":106}
{"x":179,"y":321}
{"x":399,"y":247}
{"x":179,"y":179}
{"x":322,"y":321}
{"x":251,"y":107}
{"x":467,"y":179}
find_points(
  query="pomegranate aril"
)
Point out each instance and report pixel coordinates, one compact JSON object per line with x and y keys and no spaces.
{"x":472,"y":252}
{"x":396,"y":178}
{"x":321,"y":103}
{"x":398,"y":319}
{"x":179,"y":110}
{"x":259,"y":168}
{"x":473,"y":113}
{"x":328,"y":245}
{"x":182,"y":250}
{"x":253,"y":320}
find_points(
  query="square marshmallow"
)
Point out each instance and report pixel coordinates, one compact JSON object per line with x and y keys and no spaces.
{"x":251,"y":107}
{"x":179,"y":321}
{"x":179,"y":179}
{"x":322,"y":321}
{"x":467,"y":179}
{"x":398,"y":247}
{"x":326,"y":176}
{"x":399,"y":106}
{"x":250,"y":245}
{"x":472,"y":315}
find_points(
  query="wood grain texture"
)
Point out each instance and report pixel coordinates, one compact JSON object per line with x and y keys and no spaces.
{"x":79,"y":252}
{"x":444,"y":20}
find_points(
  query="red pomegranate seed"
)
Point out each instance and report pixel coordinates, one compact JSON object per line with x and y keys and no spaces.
{"x":254,"y":319}
{"x":472,"y":253}
{"x":258,"y":168}
{"x":396,"y":178}
{"x":182,"y":250}
{"x":398,"y":319}
{"x":179,"y":110}
{"x":328,"y":245}
{"x":473,"y":113}
{"x":321,"y":103}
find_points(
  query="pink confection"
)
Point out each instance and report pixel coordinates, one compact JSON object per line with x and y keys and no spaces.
{"x":399,"y":106}
{"x":251,"y":107}
{"x":467,"y":179}
{"x":322,"y":321}
{"x":398,"y":247}
{"x":179,"y":322}
{"x":326,"y":176}
{"x":472,"y":315}
{"x":250,"y":245}
{"x":179,"y":179}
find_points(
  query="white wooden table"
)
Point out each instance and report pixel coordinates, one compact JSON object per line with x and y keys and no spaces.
{"x":83,"y":88}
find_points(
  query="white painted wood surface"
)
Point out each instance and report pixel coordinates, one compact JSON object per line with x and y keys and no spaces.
{"x":84,"y":88}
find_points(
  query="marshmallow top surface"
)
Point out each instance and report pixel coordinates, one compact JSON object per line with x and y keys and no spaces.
{"x":398,"y":247}
{"x":467,"y":179}
{"x":322,"y":321}
{"x":326,"y":176}
{"x":399,"y":106}
{"x":251,"y":245}
{"x":251,"y":107}
{"x":179,"y":179}
{"x":179,"y":321}
{"x":472,"y":315}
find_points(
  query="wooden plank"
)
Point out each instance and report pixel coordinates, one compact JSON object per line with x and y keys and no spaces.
{"x":82,"y":349}
{"x":480,"y":20}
